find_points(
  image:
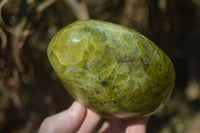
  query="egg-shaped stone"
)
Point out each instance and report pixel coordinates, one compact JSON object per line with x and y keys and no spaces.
{"x":113,"y":70}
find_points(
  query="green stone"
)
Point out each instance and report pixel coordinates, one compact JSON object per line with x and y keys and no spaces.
{"x":113,"y":70}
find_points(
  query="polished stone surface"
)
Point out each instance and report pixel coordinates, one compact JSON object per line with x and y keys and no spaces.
{"x":111,"y":69}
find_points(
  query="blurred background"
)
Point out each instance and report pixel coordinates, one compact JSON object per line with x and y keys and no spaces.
{"x":30,"y":90}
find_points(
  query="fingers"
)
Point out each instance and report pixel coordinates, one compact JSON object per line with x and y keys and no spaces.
{"x":68,"y":121}
{"x":90,"y":123}
{"x":75,"y":120}
{"x":126,"y":126}
{"x":113,"y":126}
{"x":137,"y":126}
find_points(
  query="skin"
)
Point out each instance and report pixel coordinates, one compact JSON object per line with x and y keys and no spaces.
{"x":78,"y":119}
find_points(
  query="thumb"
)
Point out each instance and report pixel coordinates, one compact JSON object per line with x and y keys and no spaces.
{"x":68,"y":121}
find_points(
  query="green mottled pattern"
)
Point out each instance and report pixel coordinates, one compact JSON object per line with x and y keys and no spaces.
{"x":113,"y":70}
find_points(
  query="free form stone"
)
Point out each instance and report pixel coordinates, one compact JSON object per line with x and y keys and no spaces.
{"x":111,"y":69}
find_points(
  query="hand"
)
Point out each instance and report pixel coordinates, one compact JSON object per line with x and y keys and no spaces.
{"x":78,"y":119}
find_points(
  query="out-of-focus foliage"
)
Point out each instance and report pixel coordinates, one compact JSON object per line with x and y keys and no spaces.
{"x":29,"y":89}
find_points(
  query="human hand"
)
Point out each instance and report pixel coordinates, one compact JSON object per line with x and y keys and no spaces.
{"x":78,"y":119}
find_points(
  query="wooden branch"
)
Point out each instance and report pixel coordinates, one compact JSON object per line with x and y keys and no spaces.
{"x":79,"y":8}
{"x":44,"y":5}
{"x":3,"y":39}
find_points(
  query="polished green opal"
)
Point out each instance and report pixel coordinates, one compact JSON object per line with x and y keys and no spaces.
{"x":113,"y":70}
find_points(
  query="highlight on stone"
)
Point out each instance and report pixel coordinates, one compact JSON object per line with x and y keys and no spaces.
{"x":113,"y":70}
